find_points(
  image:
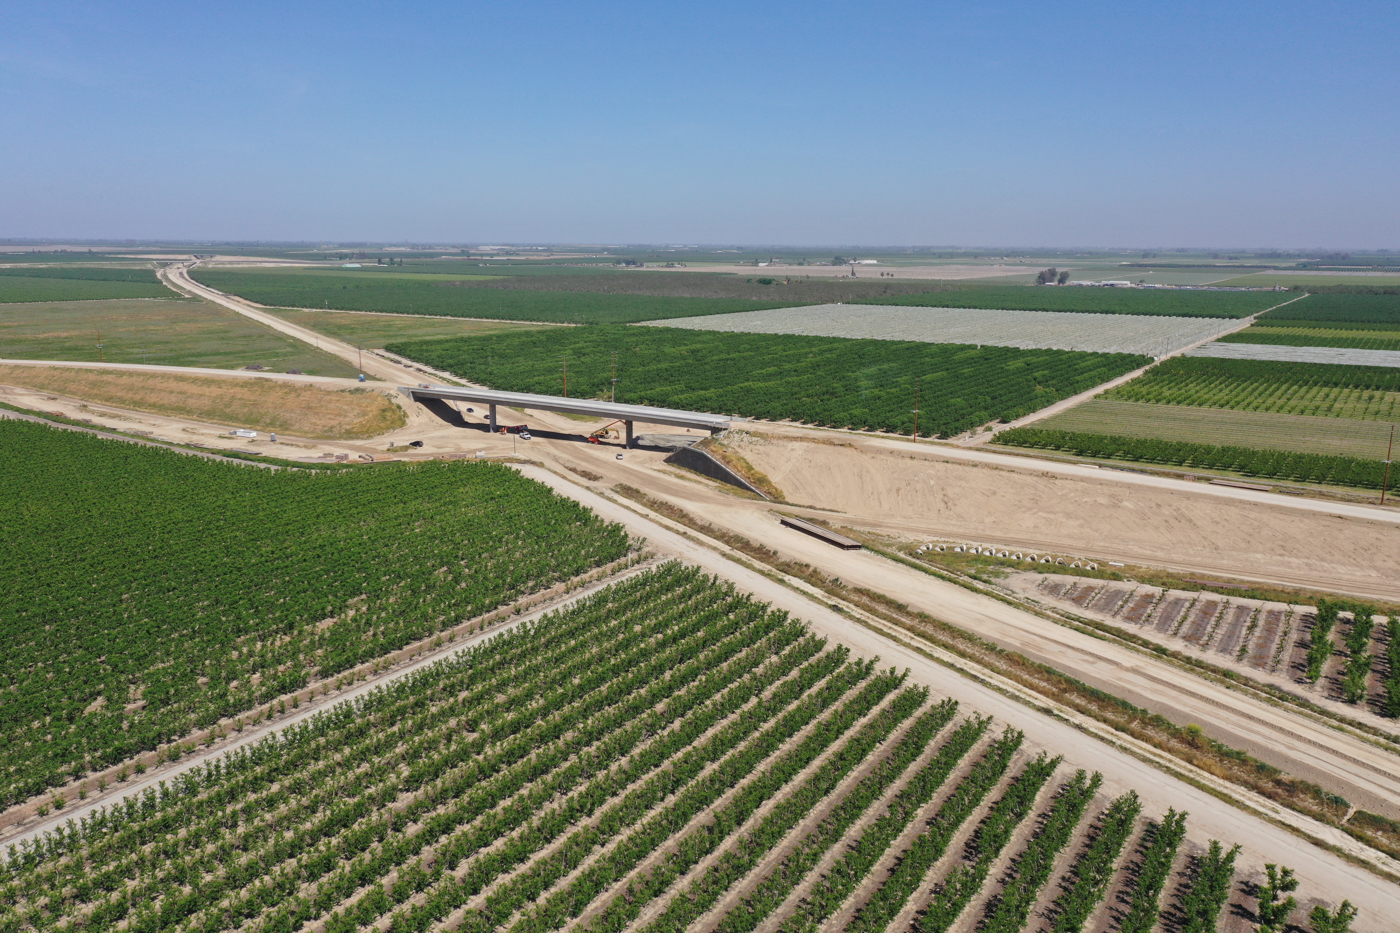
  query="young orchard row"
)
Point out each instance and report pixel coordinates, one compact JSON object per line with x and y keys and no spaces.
{"x":1311,"y":334}
{"x":1334,"y":309}
{"x":1323,"y":389}
{"x":368,"y":290}
{"x":636,"y":760}
{"x":831,"y":381}
{"x":1171,"y":302}
{"x":1249,"y":461}
{"x":149,"y":593}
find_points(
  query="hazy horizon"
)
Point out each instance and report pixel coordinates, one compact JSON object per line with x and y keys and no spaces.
{"x":806,"y":125}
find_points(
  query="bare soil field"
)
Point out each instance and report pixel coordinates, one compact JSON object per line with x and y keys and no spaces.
{"x":1151,"y":335}
{"x":923,"y":497}
{"x":306,"y":410}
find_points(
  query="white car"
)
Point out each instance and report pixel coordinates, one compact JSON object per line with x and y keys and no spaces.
{"x":524,"y":435}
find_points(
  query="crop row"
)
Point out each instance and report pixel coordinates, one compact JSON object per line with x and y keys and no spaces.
{"x":773,"y":889}
{"x":1093,"y":869}
{"x":1210,"y":888}
{"x":1392,"y":678}
{"x":368,"y":291}
{"x":967,"y":877}
{"x":862,"y":855}
{"x":1154,"y":867}
{"x":150,"y":593}
{"x":1340,"y":308}
{"x":82,"y":274}
{"x":1033,"y":866}
{"x":1358,"y":642}
{"x":832,"y":381}
{"x":734,"y":864}
{"x":1326,"y":389}
{"x":1310,"y":336}
{"x":1173,"y":302}
{"x":630,"y":761}
{"x":1265,"y":464}
{"x":1320,"y":645}
{"x":598,"y":694}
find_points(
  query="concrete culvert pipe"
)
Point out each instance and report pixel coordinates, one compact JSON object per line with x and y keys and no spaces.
{"x":1003,"y":553}
{"x":941,"y":547}
{"x":1092,"y":566}
{"x":1076,"y":564}
{"x":1046,"y":560}
{"x":959,"y":549}
{"x":1059,"y":561}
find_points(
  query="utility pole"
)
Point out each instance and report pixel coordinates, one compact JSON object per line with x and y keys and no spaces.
{"x":1390,"y":449}
{"x":614,"y":376}
{"x":916,"y":409}
{"x":99,"y":346}
{"x":360,"y":347}
{"x":566,"y":375}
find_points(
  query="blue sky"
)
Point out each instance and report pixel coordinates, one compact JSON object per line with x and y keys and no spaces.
{"x":1052,"y":124}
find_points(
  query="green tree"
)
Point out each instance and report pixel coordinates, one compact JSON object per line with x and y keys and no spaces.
{"x":1273,"y":913}
{"x":1325,"y":921}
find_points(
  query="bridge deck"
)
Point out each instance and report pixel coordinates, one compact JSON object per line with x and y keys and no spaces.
{"x":575,"y":406}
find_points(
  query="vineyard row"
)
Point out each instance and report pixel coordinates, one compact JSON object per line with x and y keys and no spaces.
{"x":662,"y":751}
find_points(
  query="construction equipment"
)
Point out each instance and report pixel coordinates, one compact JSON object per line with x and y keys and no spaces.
{"x":606,"y":432}
{"x":515,"y":428}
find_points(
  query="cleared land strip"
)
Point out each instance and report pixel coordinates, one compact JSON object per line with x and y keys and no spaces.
{"x":1027,"y":330}
{"x":1312,"y":434}
{"x":1282,"y":354}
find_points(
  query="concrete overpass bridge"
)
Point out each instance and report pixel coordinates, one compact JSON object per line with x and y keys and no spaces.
{"x":615,"y":411}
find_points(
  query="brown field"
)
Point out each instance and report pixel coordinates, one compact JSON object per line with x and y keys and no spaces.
{"x":261,"y":404}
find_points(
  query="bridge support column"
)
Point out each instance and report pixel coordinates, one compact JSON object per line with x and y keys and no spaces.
{"x":491,"y":418}
{"x":629,"y":434}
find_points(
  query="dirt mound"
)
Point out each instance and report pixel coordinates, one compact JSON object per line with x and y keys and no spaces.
{"x":922,"y":495}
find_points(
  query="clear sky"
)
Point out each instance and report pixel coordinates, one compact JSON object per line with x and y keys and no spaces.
{"x":1051,"y":124}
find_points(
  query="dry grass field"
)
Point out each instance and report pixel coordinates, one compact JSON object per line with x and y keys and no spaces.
{"x":367,"y":329}
{"x":261,"y":404}
{"x":171,"y":332}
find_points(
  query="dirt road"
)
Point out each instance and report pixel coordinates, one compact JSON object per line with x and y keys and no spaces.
{"x":1063,"y":734}
{"x":178,"y":277}
{"x":336,"y":381}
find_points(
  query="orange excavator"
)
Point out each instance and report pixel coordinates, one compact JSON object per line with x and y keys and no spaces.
{"x":606,"y":432}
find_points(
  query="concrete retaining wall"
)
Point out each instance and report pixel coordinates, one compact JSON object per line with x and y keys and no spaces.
{"x":704,"y":464}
